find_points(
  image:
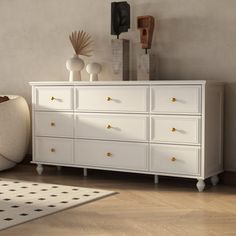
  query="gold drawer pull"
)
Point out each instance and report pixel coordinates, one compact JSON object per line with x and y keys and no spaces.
{"x":108,"y":98}
{"x":53,"y":149}
{"x":109,"y":127}
{"x":52,"y":98}
{"x":53,"y":124}
{"x":173,"y":99}
{"x":173,"y":129}
{"x":109,"y":154}
{"x":173,"y":159}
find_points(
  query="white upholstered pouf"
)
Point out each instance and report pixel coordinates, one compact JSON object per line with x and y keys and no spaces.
{"x":14,"y":131}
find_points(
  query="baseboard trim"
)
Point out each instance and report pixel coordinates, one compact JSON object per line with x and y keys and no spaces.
{"x":27,"y":159}
{"x":228,"y":178}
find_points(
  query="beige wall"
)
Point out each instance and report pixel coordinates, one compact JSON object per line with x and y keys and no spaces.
{"x":194,"y":39}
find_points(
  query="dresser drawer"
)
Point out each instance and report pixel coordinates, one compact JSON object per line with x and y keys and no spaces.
{"x":176,"y":129}
{"x":54,"y":150}
{"x":112,"y":98}
{"x":54,"y":124}
{"x":112,"y":127}
{"x":169,"y":159}
{"x":54,"y":98}
{"x":176,"y":99}
{"x":117,"y":155}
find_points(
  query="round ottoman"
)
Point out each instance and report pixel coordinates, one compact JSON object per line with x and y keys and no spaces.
{"x":14,"y":131}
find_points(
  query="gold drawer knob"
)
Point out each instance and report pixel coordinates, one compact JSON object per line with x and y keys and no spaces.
{"x":173,"y":129}
{"x":173,"y":159}
{"x":53,"y":124}
{"x":52,"y":98}
{"x":108,"y":126}
{"x":109,"y":154}
{"x":53,"y":149}
{"x":108,"y":98}
{"x":173,"y":99}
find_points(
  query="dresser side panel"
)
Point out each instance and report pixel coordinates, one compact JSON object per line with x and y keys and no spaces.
{"x":213,"y":145}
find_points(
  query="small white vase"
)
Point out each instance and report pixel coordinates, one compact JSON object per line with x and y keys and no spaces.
{"x":93,"y":69}
{"x":75,"y":64}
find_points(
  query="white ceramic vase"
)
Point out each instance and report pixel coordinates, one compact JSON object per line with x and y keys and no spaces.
{"x":75,"y":64}
{"x":93,"y":69}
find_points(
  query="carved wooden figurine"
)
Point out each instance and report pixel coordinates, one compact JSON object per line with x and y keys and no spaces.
{"x":120,"y":18}
{"x":146,"y":26}
{"x":146,"y":62}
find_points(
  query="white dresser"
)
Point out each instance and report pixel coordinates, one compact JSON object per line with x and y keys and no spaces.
{"x":171,"y":128}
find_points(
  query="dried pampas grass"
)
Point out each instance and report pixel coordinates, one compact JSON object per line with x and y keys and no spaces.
{"x":81,"y":42}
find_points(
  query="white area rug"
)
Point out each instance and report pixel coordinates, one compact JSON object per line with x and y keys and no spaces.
{"x":21,"y":201}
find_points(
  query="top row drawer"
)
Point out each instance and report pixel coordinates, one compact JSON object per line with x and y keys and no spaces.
{"x":176,"y":99}
{"x":53,"y":98}
{"x":164,"y":99}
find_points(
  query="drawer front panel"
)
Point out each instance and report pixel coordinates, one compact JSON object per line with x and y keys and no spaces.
{"x":177,"y":129}
{"x":54,"y":98}
{"x":112,"y":127}
{"x":54,"y":150}
{"x":117,"y":155}
{"x":176,"y":99}
{"x":112,"y":98}
{"x":182,"y":160}
{"x":54,"y":124}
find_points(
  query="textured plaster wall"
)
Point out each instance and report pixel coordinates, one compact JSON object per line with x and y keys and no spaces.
{"x":193,"y":39}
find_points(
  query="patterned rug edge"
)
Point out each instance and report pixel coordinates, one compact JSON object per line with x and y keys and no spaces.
{"x":108,"y":194}
{"x":55,"y":212}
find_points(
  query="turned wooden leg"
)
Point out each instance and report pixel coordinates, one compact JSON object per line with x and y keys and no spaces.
{"x":214,"y":180}
{"x":156,"y":179}
{"x":85,"y":172}
{"x":59,"y":168}
{"x":39,"y":169}
{"x":200,"y":185}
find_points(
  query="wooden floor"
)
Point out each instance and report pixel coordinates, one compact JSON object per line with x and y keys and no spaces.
{"x":174,"y":207}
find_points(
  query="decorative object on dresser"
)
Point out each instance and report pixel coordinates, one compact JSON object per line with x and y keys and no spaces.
{"x":146,"y":25}
{"x":120,"y":18}
{"x":120,"y":22}
{"x":23,"y":201}
{"x":14,"y":130}
{"x":81,"y":43}
{"x":146,"y":62}
{"x":171,"y":128}
{"x":93,"y":69}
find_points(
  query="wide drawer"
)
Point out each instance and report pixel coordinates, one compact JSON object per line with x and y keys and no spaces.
{"x":54,"y":98}
{"x":112,"y":127}
{"x":54,"y":150}
{"x":176,"y":99}
{"x":54,"y":124}
{"x":176,"y":129}
{"x":170,"y":159}
{"x":112,"y":98}
{"x":116,"y":155}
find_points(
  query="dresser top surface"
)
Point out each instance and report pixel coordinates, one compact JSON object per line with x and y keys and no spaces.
{"x":123,"y":83}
